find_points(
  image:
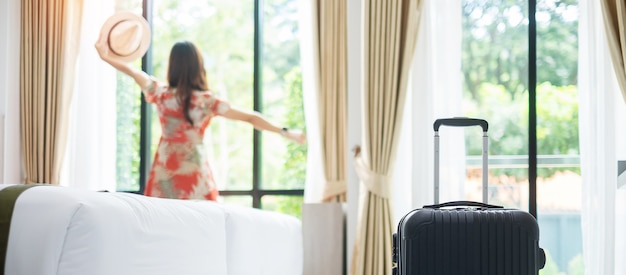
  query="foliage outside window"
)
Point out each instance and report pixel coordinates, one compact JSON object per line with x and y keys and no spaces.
{"x":128,"y":102}
{"x":224,"y":31}
{"x":496,"y":87}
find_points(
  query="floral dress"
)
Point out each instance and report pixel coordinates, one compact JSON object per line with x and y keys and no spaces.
{"x":180,"y":168}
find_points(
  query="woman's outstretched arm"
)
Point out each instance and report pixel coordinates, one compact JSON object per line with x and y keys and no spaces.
{"x":262,"y":124}
{"x":140,"y":77}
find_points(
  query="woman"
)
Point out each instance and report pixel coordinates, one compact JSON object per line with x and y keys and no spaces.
{"x":186,"y":106}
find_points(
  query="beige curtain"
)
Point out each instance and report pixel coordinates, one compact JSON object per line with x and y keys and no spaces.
{"x":330,"y":48}
{"x":49,"y":42}
{"x":615,"y":24}
{"x":390,"y":34}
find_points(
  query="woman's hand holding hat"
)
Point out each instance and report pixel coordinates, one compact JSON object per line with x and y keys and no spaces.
{"x":295,"y":135}
{"x":124,"y":37}
{"x":103,"y":48}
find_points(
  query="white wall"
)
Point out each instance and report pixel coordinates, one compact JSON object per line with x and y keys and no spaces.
{"x":355,"y":52}
{"x":10,"y":158}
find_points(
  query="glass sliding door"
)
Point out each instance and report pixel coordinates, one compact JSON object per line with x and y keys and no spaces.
{"x":283,"y":162}
{"x":495,"y":87}
{"x":252,"y":59}
{"x":559,"y":184}
{"x":128,"y":116}
{"x":224,"y":32}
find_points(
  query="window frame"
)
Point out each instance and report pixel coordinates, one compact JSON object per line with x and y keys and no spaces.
{"x":532,"y":108}
{"x":257,"y":192}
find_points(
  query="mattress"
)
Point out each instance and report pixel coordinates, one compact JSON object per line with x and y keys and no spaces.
{"x":62,"y":230}
{"x":262,"y":242}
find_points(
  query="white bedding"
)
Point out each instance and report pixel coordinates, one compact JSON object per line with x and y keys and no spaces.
{"x":262,"y":242}
{"x":63,"y":231}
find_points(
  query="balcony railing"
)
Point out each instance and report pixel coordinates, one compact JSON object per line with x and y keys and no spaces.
{"x":521,"y":161}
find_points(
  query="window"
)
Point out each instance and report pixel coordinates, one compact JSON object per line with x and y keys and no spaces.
{"x":497,"y":85}
{"x":128,"y":118}
{"x":252,"y":59}
{"x":559,"y":184}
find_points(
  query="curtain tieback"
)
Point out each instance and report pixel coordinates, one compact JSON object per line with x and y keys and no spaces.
{"x":334,"y":188}
{"x":375,"y":182}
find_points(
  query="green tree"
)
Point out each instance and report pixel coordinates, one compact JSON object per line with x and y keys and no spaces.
{"x":557,"y":42}
{"x":290,"y":205}
{"x":551,"y":267}
{"x":128,"y":100}
{"x":576,"y":265}
{"x":495,"y":44}
{"x":557,"y":119}
{"x":557,"y":123}
{"x":282,"y":45}
{"x":505,"y":114}
{"x":225,"y":31}
{"x":295,"y":161}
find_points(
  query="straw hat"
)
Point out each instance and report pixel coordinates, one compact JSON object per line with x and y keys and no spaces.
{"x":128,"y":36}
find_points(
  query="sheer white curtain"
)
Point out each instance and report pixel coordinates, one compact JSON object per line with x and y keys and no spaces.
{"x":435,"y":92}
{"x":601,"y":115}
{"x":90,"y":154}
{"x":314,"y":185}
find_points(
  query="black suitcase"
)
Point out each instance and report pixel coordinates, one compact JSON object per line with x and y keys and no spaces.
{"x":464,"y":237}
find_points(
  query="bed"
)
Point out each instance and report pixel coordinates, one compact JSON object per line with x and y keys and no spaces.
{"x":62,"y":230}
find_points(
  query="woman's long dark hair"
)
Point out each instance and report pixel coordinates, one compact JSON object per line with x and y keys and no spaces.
{"x":186,"y":73}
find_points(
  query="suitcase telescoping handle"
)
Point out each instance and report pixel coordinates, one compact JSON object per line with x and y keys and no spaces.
{"x":462,"y":122}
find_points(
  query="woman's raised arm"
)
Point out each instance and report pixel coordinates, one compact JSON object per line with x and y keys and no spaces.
{"x":141,"y":78}
{"x":261,"y":123}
